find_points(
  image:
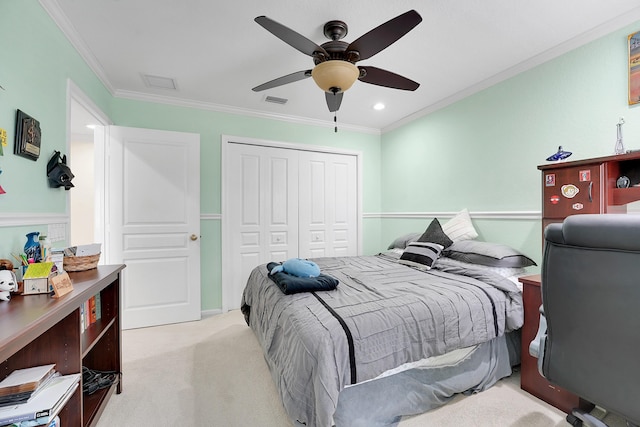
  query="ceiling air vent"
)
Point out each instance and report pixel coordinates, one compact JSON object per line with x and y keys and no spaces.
{"x":159,"y":82}
{"x":276,"y":100}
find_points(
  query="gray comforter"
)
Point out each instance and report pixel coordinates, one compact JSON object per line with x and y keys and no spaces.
{"x":394,"y":314}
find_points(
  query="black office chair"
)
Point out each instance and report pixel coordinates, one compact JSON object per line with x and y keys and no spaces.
{"x":591,"y":309}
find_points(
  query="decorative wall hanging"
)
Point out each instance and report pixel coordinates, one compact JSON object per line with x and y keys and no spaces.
{"x":3,"y":140}
{"x":27,"y":136}
{"x":58,"y":172}
{"x":634,"y":68}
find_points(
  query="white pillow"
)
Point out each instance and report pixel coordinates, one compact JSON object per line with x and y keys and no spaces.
{"x":460,"y":227}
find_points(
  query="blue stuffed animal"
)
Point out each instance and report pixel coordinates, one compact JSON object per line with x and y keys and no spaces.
{"x":298,"y":267}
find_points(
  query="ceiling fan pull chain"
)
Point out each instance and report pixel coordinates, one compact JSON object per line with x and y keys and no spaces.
{"x":335,"y":120}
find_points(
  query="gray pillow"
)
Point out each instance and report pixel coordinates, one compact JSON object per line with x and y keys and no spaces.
{"x":486,"y":253}
{"x":402,"y":241}
{"x":434,"y":234}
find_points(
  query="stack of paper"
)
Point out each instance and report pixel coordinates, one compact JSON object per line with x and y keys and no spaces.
{"x":45,"y":404}
{"x":21,"y":383}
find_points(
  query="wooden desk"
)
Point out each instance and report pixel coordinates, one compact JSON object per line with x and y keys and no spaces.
{"x":39,"y":330}
{"x":530,"y":379}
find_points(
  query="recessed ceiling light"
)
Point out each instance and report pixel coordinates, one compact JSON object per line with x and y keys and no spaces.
{"x":91,"y":126}
{"x":379,"y":106}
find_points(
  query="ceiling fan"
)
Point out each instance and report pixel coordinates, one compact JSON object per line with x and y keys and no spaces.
{"x":335,"y":70}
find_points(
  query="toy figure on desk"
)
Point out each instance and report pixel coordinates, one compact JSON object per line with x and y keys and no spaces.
{"x":8,"y":284}
{"x":559,"y":155}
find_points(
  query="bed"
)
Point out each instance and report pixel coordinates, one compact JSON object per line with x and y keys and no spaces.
{"x":391,"y":339}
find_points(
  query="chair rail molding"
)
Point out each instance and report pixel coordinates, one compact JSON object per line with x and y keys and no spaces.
{"x":514,"y":215}
{"x":17,"y":219}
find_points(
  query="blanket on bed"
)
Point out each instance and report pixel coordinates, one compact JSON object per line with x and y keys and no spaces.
{"x":395,"y":314}
{"x":289,"y":284}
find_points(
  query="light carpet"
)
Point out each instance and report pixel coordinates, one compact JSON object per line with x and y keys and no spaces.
{"x":212,"y":373}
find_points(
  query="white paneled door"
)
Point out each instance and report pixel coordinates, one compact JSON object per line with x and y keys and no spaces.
{"x":328,"y":205}
{"x":284,"y":202}
{"x":263,"y":214}
{"x":153,"y":223}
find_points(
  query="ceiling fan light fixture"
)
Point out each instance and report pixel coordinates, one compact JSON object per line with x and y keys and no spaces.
{"x":335,"y":74}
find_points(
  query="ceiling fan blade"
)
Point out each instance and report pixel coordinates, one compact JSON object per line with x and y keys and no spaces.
{"x":289,"y":78}
{"x":333,"y":100}
{"x":384,"y":35}
{"x":380,"y":77}
{"x":290,"y":37}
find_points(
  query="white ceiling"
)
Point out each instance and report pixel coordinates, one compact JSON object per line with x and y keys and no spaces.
{"x":216,"y":52}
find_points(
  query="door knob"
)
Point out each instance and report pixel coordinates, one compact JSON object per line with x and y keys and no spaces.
{"x":194,"y":237}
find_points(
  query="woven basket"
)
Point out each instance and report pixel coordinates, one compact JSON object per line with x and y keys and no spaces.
{"x":80,"y":263}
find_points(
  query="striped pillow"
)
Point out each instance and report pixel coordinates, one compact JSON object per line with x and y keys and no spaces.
{"x":421,"y":255}
{"x":460,"y":227}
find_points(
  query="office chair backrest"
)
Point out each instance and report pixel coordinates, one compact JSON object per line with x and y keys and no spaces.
{"x":591,"y":299}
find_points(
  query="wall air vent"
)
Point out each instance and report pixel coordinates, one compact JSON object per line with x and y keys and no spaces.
{"x":276,"y":100}
{"x":159,"y":82}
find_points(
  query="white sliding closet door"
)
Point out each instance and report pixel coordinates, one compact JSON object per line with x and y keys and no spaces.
{"x":281,"y":202}
{"x":263,"y":211}
{"x":328,"y":205}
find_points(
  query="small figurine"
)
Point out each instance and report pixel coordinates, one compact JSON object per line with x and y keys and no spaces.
{"x":8,"y":284}
{"x":619,"y":145}
{"x":559,"y":155}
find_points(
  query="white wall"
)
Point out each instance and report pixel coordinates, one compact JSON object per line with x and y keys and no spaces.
{"x":81,"y":162}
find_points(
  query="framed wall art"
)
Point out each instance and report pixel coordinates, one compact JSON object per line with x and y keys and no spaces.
{"x":634,"y":68}
{"x":28,"y":135}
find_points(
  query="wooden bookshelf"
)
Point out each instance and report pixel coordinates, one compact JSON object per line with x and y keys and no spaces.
{"x":38,"y":330}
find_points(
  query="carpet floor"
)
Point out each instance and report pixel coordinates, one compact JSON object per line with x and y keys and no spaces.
{"x":212,"y":373}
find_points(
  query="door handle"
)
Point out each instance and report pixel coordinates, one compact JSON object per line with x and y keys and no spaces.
{"x":194,"y":237}
{"x":590,"y":188}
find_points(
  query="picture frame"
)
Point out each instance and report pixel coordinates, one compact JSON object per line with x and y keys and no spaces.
{"x":633,"y":42}
{"x":28,"y":136}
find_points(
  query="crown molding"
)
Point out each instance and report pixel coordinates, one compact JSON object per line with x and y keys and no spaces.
{"x":52,"y":7}
{"x":201,"y":105}
{"x":566,"y":47}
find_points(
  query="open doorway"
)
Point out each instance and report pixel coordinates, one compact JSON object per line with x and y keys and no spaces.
{"x":82,"y":163}
{"x":86,"y":144}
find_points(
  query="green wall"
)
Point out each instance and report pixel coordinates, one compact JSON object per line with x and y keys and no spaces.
{"x":212,"y":126}
{"x":480,"y":153}
{"x":37,"y":60}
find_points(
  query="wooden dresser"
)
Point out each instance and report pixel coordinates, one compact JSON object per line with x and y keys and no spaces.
{"x":38,"y":330}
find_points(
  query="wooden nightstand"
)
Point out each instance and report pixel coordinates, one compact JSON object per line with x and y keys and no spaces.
{"x":530,"y":379}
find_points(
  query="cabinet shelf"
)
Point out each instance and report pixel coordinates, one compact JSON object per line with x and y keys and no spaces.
{"x":93,"y":404}
{"x":94,"y":333}
{"x":624,"y":196}
{"x":39,"y":330}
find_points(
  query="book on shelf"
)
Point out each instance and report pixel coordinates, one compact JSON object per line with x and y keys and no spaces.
{"x":92,"y":310}
{"x":98,"y":306}
{"x":25,"y":380}
{"x":45,"y":404}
